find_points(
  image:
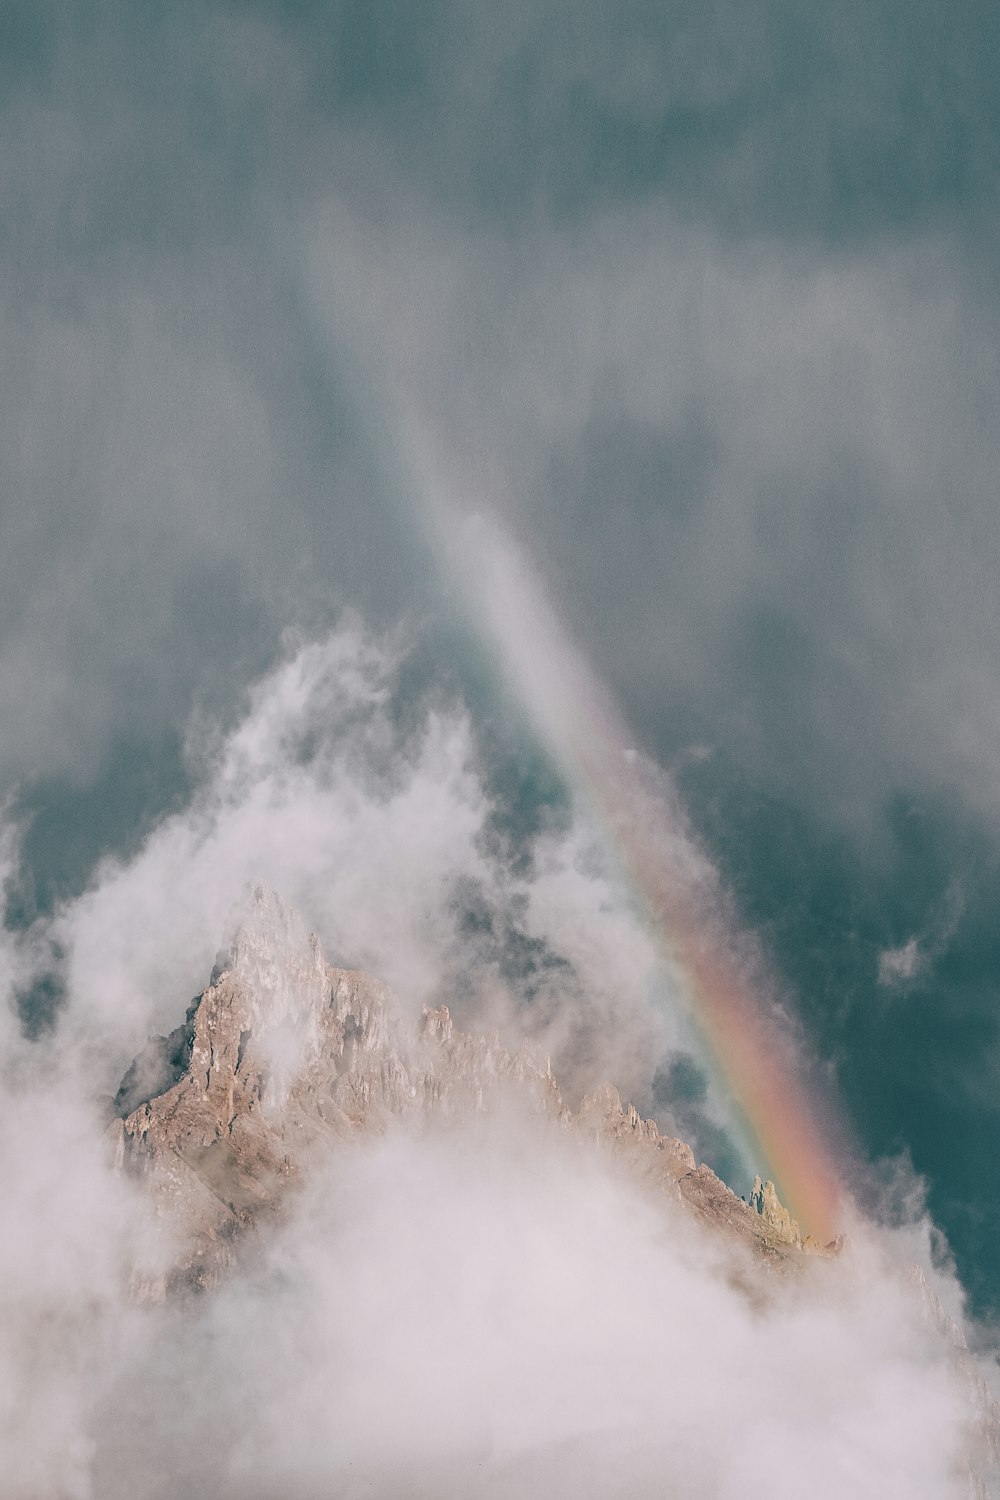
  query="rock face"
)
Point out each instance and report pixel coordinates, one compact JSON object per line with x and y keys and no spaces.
{"x":283,"y":1051}
{"x":764,"y":1201}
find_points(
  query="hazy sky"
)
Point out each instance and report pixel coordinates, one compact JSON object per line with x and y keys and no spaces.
{"x":701,"y":300}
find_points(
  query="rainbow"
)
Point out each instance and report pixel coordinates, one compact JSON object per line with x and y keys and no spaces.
{"x":677,"y":886}
{"x":673,"y":882}
{"x":753,"y":1052}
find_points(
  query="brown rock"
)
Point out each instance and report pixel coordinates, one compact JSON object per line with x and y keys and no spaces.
{"x":283,"y":1051}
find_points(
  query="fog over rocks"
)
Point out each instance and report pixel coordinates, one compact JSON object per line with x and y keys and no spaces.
{"x":282,"y":1055}
{"x":324,"y":1238}
{"x":415,"y":1271}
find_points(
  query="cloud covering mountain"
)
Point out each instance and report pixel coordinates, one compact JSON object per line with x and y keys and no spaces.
{"x":696,"y":309}
{"x":485,"y":1306}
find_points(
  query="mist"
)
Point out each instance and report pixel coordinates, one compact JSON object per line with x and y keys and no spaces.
{"x":489,"y":1311}
{"x":486,"y":1305}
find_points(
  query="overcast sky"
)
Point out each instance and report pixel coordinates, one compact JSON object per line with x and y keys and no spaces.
{"x":700,"y":300}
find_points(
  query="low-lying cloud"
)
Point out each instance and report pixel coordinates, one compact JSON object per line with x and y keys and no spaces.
{"x":493,"y":1311}
{"x":486,"y":1309}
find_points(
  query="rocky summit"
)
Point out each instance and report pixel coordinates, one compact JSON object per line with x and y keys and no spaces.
{"x":283,"y":1052}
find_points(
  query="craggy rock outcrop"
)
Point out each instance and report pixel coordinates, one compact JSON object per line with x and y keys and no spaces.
{"x":282,"y":1050}
{"x":663,"y":1160}
{"x":765,"y":1202}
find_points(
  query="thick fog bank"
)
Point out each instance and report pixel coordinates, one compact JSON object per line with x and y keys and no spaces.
{"x":488,"y":1309}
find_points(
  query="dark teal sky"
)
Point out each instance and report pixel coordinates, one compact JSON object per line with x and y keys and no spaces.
{"x":712,"y":289}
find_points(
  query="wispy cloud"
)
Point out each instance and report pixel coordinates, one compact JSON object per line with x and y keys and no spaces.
{"x":745,"y":443}
{"x":897,"y":965}
{"x":910,"y":960}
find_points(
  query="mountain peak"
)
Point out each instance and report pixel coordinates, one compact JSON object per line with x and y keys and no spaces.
{"x":272,"y":953}
{"x":284,"y":1055}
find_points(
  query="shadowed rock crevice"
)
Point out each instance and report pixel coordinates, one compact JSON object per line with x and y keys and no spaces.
{"x":162,"y":1062}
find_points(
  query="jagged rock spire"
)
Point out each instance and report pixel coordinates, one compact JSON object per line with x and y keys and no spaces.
{"x":764,"y":1201}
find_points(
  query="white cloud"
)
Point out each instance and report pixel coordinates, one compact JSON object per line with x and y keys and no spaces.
{"x":897,"y":965}
{"x":489,"y":1311}
{"x":908,"y":960}
{"x":492,"y":1311}
{"x":374,"y":832}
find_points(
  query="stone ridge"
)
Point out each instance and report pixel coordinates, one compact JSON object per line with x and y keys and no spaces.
{"x":283,"y":1051}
